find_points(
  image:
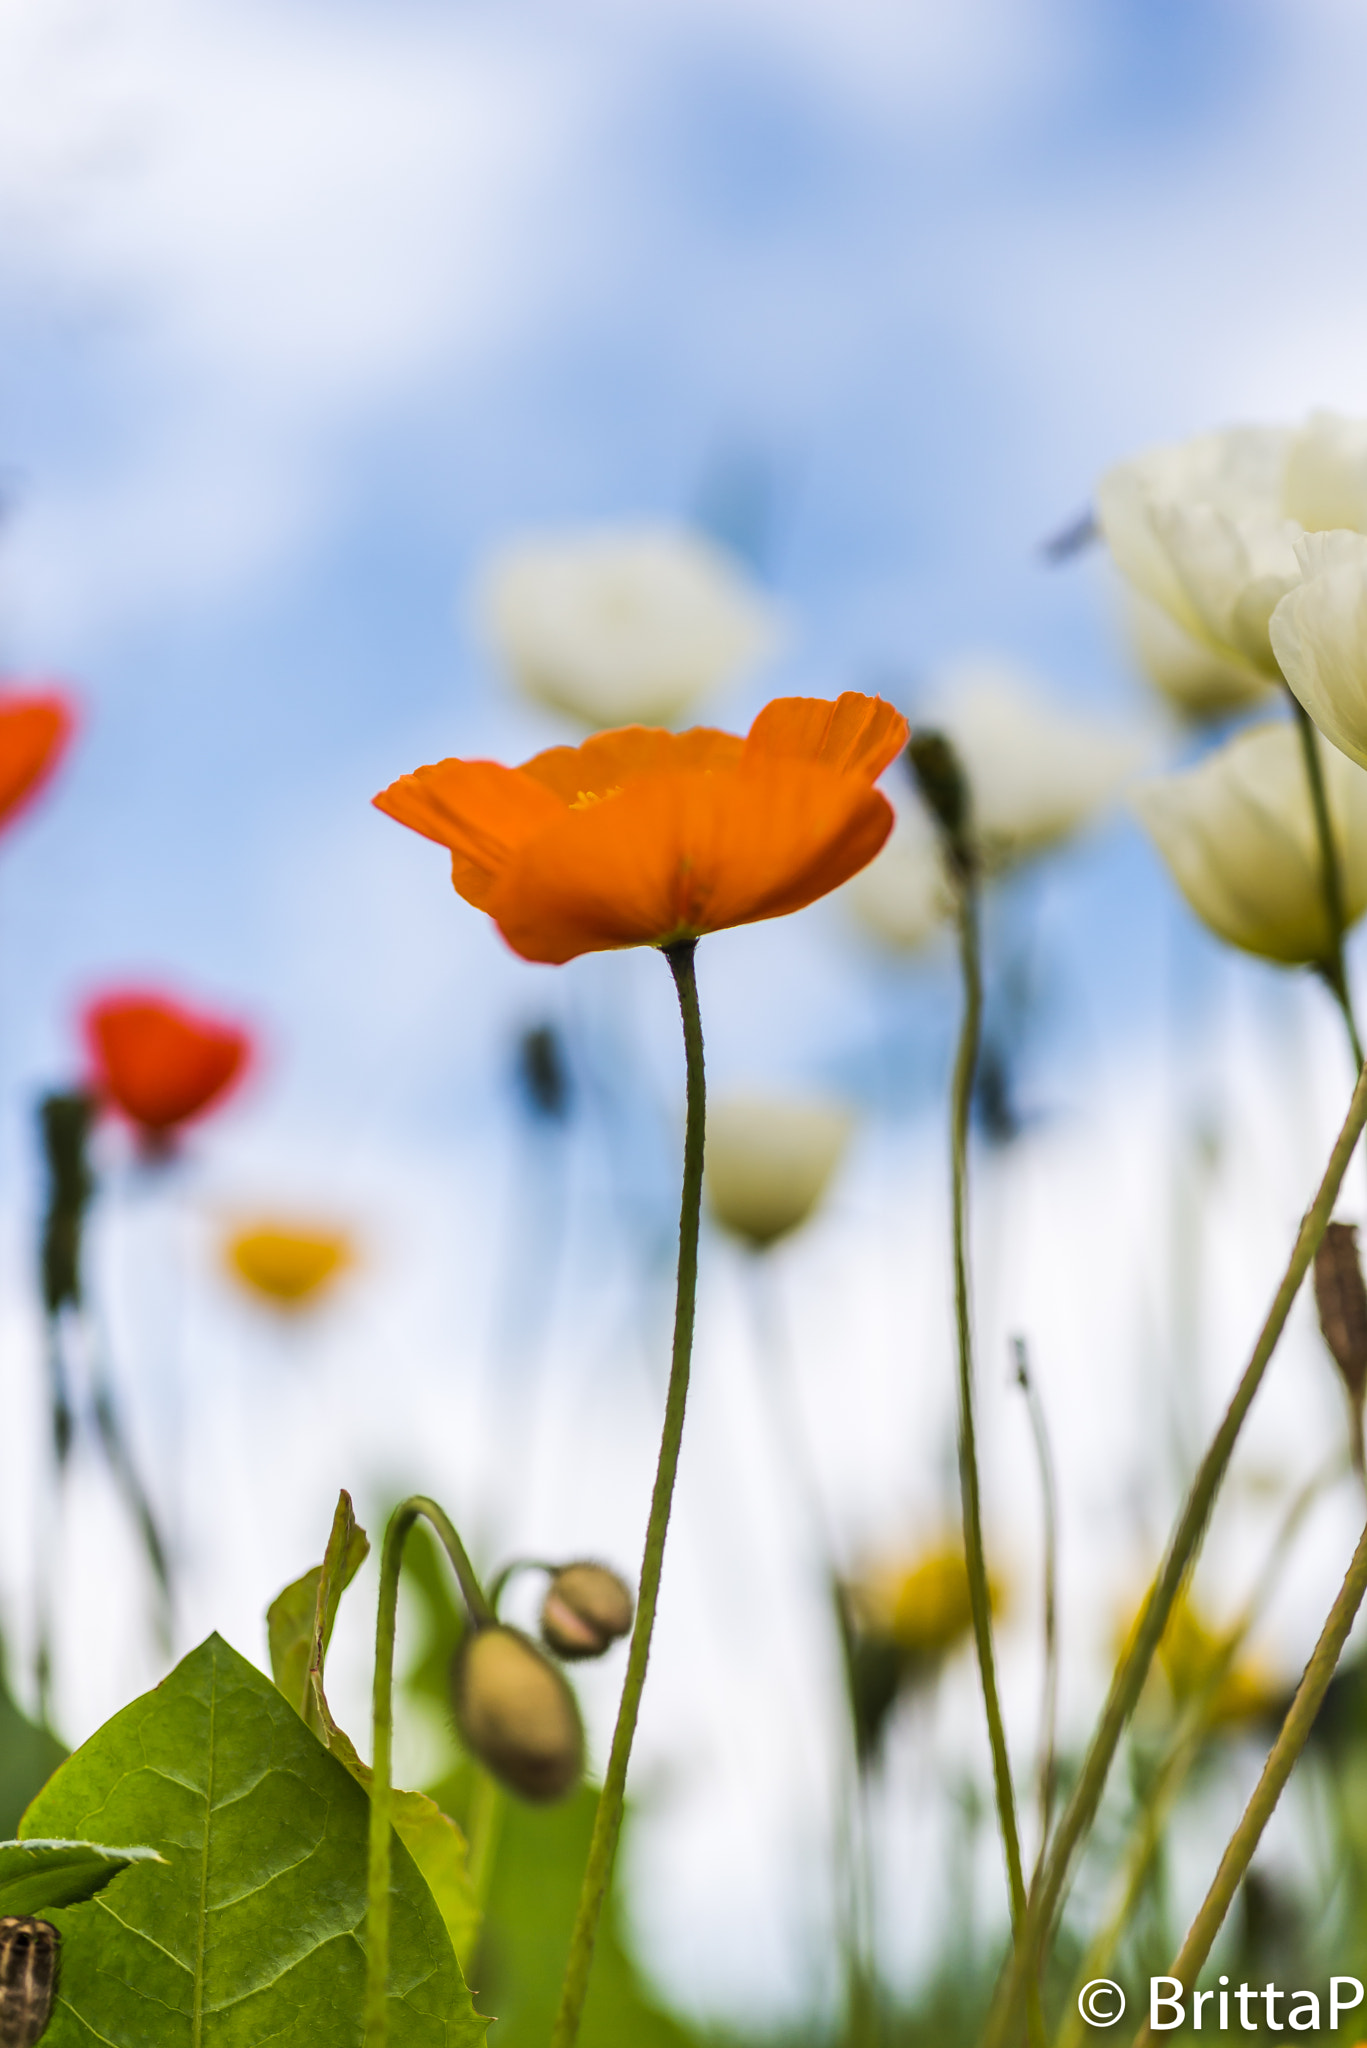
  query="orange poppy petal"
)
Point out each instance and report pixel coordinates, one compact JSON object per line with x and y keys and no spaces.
{"x":480,"y":810}
{"x":857,"y":735}
{"x":677,"y":855}
{"x":33,"y":733}
{"x":609,"y":760}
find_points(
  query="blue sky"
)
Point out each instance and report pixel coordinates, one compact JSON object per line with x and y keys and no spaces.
{"x":304,"y":307}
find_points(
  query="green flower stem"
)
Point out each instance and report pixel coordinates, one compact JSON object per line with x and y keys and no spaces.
{"x":1332,"y":968}
{"x":1281,"y":1761}
{"x":1133,"y":1668}
{"x":1184,"y":1751}
{"x":481,"y":1614}
{"x":608,"y":1820}
{"x":1048,"y":1738}
{"x":488,"y":1803}
{"x":980,"y":1599}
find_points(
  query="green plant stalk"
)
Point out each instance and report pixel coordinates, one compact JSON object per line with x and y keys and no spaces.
{"x":1048,"y":1741}
{"x":1280,"y":1763}
{"x":1332,"y":968}
{"x":1133,"y":1668}
{"x":376,"y":2010}
{"x":980,"y":1599}
{"x":488,"y":1803}
{"x":1183,"y":1751}
{"x":607,"y":1823}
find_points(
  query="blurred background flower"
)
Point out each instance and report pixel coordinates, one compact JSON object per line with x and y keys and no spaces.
{"x":159,"y":1064}
{"x":35,"y":730}
{"x":287,"y":1264}
{"x":769,"y":1161}
{"x":630,"y":627}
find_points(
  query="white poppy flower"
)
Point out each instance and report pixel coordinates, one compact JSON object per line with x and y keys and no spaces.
{"x":769,"y":1161}
{"x":1319,"y":633}
{"x":1196,"y":681}
{"x":903,"y":897}
{"x":1201,"y":528}
{"x":1035,"y":774}
{"x":1207,"y":528}
{"x":1238,"y":833}
{"x":624,"y":626}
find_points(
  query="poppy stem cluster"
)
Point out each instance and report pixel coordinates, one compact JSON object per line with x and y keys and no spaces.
{"x":1132,"y":1669}
{"x":1282,"y":1759}
{"x":608,"y":1820}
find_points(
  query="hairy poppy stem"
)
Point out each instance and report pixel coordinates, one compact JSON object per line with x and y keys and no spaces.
{"x":1281,"y":1761}
{"x":386,"y":1621}
{"x":1127,"y":1680}
{"x":980,"y":1599}
{"x":608,"y":1820}
{"x":1332,"y":968}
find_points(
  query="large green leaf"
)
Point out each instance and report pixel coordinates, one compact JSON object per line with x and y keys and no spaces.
{"x":253,"y":1929}
{"x":35,"y":1876}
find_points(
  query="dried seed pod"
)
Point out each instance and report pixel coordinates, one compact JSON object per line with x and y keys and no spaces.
{"x":516,"y":1713}
{"x":586,"y":1609}
{"x":28,"y":1979}
{"x":1341,"y":1299}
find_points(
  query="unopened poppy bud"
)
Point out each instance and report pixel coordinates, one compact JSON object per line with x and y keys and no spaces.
{"x":516,"y":1713}
{"x":939,"y":776}
{"x":1341,"y":1299}
{"x":586,"y":1609}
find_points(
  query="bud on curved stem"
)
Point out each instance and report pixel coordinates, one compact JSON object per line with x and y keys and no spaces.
{"x":586,"y":1610}
{"x":516,"y":1714}
{"x":481,"y":1614}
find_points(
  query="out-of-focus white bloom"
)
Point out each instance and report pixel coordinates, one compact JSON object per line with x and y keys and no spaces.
{"x":1238,"y":834}
{"x":769,"y":1161}
{"x":1035,"y":774}
{"x":1319,"y":633}
{"x":1207,"y":528}
{"x":624,"y":626}
{"x":903,"y":897}
{"x":1198,"y":683}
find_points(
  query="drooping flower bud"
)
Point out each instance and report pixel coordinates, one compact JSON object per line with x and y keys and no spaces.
{"x":585,"y":1611}
{"x":1341,"y":1299}
{"x":516,"y":1713}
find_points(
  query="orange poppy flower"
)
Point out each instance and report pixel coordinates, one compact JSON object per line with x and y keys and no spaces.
{"x":34,"y":730}
{"x":160,"y":1064}
{"x":641,"y":837}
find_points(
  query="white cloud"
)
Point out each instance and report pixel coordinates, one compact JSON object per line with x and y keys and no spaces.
{"x":267,"y":220}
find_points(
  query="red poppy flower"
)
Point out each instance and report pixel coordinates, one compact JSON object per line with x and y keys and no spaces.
{"x":641,"y":837}
{"x":159,"y":1063}
{"x":34,"y":730}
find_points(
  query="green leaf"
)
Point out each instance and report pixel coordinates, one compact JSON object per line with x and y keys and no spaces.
{"x":252,"y":1930}
{"x":299,"y":1621}
{"x":37,"y":1875}
{"x":433,"y":1840}
{"x":28,"y":1757}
